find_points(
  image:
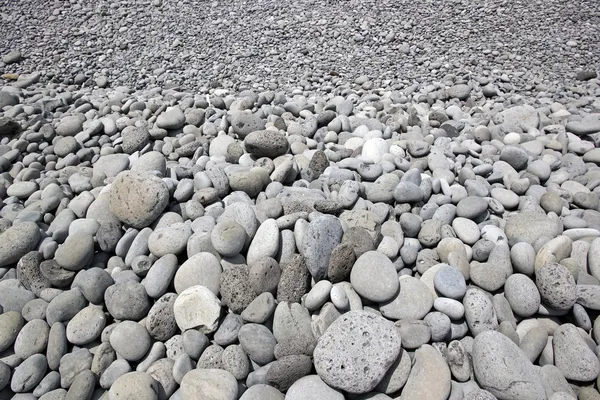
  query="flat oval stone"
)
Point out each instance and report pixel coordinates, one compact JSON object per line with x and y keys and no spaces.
{"x":374,"y":277}
{"x":312,"y":387}
{"x":348,"y":356}
{"x":413,"y":301}
{"x":17,"y":241}
{"x":200,"y":269}
{"x":134,"y":385}
{"x":266,"y":144}
{"x":522,"y":295}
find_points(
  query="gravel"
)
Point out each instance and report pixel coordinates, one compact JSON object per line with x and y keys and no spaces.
{"x":300,"y":201}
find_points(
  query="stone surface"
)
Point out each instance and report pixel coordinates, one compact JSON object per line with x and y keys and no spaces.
{"x":348,"y":356}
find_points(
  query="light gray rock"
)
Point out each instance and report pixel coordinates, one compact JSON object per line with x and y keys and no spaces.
{"x":501,"y":368}
{"x":348,"y":355}
{"x":197,"y":307}
{"x":200,"y":269}
{"x":209,"y":384}
{"x":522,"y":295}
{"x":173,"y":118}
{"x":134,"y":385}
{"x":429,"y":377}
{"x":32,"y":339}
{"x":138,"y":198}
{"x":17,"y":241}
{"x":373,"y":276}
{"x":572,"y":355}
{"x":262,"y":392}
{"x":312,"y":387}
{"x":130,"y":340}
{"x":412,"y":302}
{"x":28,"y":374}
{"x":265,"y":243}
{"x":76,"y":252}
{"x":11,"y":323}
{"x":171,"y":239}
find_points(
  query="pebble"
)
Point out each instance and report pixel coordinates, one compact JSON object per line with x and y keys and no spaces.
{"x":28,"y":374}
{"x":373,"y":276}
{"x":209,"y":384}
{"x":449,"y":282}
{"x":348,"y":355}
{"x":138,"y":198}
{"x":321,"y":237}
{"x":197,"y":307}
{"x":312,"y":387}
{"x":556,"y":286}
{"x":479,"y":312}
{"x":572,"y":355}
{"x":17,"y":241}
{"x":412,"y":302}
{"x":258,"y":342}
{"x":429,"y":377}
{"x":134,"y":384}
{"x":501,"y":368}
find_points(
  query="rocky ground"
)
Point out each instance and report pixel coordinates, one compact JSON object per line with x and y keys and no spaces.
{"x":333,"y":200}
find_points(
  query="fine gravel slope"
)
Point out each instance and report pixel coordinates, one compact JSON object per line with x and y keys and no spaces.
{"x":306,"y":201}
{"x":236,"y":44}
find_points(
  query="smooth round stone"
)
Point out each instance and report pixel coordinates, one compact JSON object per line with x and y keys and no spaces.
{"x":450,"y":282}
{"x":265,"y":275}
{"x":160,"y":275}
{"x":65,"y":306}
{"x":260,"y":309}
{"x":32,"y":339}
{"x":374,"y":277}
{"x":529,"y":227}
{"x":265,"y":243}
{"x":228,"y":330}
{"x":348,"y":355}
{"x":28,"y":374}
{"x":69,"y":126}
{"x":429,"y":377}
{"x":318,"y":295}
{"x":262,"y":392}
{"x":121,"y":340}
{"x":197,"y":307}
{"x":172,"y":239}
{"x":22,"y":190}
{"x":501,"y":368}
{"x":522,"y":295}
{"x":471,"y":207}
{"x":200,"y":269}
{"x":228,"y":238}
{"x":413,"y":301}
{"x":17,"y":241}
{"x":173,"y":118}
{"x":93,"y":283}
{"x":439,"y":324}
{"x":127,"y":301}
{"x":134,"y":385}
{"x":86,"y":326}
{"x":312,"y":387}
{"x":572,"y":355}
{"x":76,"y":252}
{"x":5,"y":375}
{"x":556,"y":286}
{"x":258,"y":342}
{"x":452,"y":308}
{"x":138,"y":198}
{"x":151,"y":161}
{"x":466,"y":230}
{"x":507,"y":198}
{"x":339,"y":298}
{"x":522,"y":256}
{"x":209,"y":384}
